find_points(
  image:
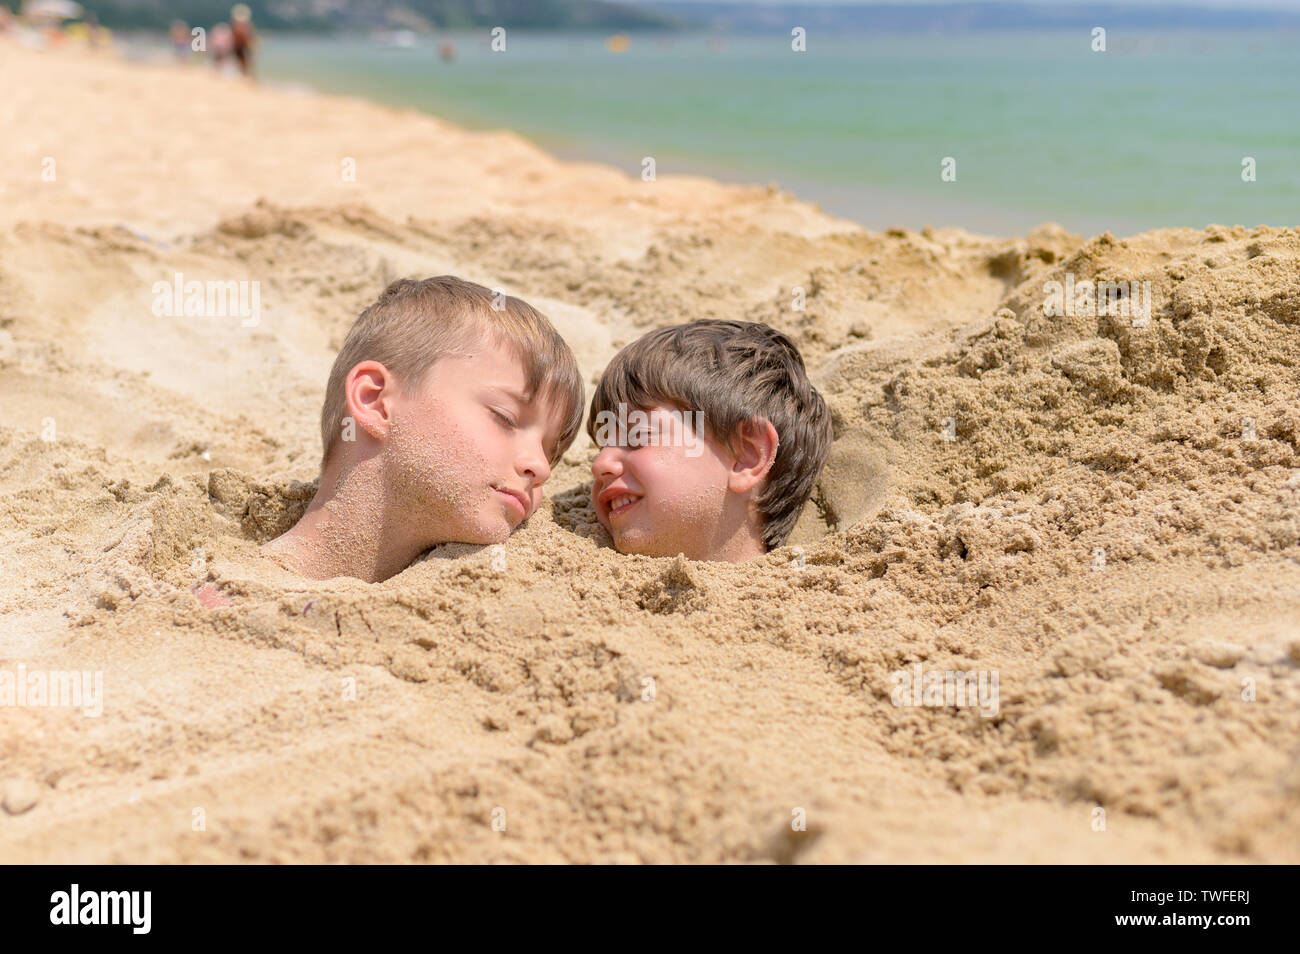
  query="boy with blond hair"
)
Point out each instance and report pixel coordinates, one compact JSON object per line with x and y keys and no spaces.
{"x":445,"y":411}
{"x":711,"y":440}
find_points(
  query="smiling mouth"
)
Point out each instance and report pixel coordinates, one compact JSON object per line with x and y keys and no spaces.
{"x":621,"y":505}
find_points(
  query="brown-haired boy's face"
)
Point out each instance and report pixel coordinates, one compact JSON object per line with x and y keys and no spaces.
{"x":467,"y":452}
{"x":664,"y":491}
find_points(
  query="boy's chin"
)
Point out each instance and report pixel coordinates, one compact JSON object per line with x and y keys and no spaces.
{"x":486,"y":536}
{"x":639,"y":544}
{"x":493,"y":529}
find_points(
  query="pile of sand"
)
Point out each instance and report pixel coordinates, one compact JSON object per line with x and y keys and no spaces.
{"x":1104,"y":514}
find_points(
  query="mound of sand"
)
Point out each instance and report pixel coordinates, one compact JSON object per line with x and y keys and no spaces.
{"x":1102,"y":513}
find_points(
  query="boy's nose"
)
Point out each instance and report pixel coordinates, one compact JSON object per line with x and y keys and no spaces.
{"x":535,"y":465}
{"x":608,"y":463}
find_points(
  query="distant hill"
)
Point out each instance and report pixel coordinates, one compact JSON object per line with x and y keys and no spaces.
{"x":429,"y":15}
{"x":961,"y":17}
{"x":418,"y":15}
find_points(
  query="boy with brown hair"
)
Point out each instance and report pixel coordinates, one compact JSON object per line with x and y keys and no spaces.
{"x":711,"y":439}
{"x":445,"y":411}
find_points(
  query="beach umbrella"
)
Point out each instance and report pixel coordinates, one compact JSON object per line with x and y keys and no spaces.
{"x":53,"y":10}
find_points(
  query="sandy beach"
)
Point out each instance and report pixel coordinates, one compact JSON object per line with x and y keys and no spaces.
{"x":1105,"y":512}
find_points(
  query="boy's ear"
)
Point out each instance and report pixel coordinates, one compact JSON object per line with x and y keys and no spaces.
{"x":754,"y":448}
{"x":369,"y":390}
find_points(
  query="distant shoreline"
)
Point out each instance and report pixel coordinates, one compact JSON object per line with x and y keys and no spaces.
{"x":863,"y":204}
{"x":878,"y":209}
{"x":1042,"y":167}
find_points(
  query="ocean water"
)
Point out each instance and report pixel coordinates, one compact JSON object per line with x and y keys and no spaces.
{"x":1151,"y":133}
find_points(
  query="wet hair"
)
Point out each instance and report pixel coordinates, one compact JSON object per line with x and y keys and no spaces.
{"x":731,"y":371}
{"x":414,"y":323}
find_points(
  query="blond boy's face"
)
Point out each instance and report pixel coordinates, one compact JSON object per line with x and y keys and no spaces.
{"x":467,"y":451}
{"x":666,"y":499}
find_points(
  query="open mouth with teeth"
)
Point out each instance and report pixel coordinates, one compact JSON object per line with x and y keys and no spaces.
{"x":622,"y":504}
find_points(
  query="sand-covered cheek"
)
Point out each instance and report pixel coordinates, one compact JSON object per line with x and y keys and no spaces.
{"x":687,"y":497}
{"x":696,"y":485}
{"x":442,"y":470}
{"x":692,"y":508}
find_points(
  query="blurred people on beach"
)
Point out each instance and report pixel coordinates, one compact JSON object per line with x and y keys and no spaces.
{"x":180,"y":39}
{"x":222,"y":43}
{"x":243,"y":36}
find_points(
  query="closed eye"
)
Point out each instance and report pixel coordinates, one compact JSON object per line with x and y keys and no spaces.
{"x":504,"y":419}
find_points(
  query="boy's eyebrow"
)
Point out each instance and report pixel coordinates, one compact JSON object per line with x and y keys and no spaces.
{"x":511,"y":393}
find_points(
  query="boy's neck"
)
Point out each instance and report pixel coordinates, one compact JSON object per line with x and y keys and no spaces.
{"x":345,"y":531}
{"x":741,"y":548}
{"x":738,"y":538}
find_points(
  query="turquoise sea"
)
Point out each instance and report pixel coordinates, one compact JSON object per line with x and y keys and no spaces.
{"x":1150,"y":133}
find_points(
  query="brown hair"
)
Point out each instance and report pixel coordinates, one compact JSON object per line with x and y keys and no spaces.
{"x":731,"y":371}
{"x":414,"y":323}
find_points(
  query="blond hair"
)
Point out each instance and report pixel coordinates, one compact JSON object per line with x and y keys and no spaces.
{"x":414,"y":323}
